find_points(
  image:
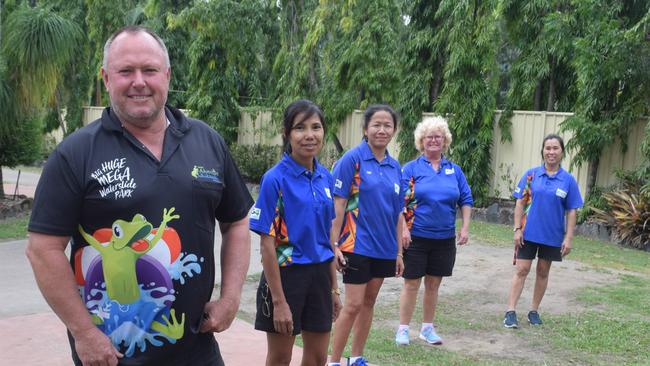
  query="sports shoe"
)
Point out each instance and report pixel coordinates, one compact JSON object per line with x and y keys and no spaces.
{"x":510,"y":320}
{"x":429,"y":335}
{"x":402,"y":337}
{"x":359,"y":362}
{"x":533,"y":318}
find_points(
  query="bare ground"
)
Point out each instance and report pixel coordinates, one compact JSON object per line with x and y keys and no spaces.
{"x":477,"y":294}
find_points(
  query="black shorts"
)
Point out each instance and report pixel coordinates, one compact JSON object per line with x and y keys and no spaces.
{"x":547,"y":252}
{"x":433,"y":257}
{"x":361,"y":269}
{"x":308,"y":290}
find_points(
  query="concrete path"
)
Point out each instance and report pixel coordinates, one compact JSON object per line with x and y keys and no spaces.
{"x":31,"y":334}
{"x":26,"y":183}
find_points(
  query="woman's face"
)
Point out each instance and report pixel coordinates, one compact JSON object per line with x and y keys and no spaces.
{"x":433,"y":142}
{"x":552,"y":152}
{"x":380,"y":130}
{"x":306,"y":137}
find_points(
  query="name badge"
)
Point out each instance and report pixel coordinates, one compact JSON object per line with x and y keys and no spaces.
{"x":327,"y":192}
{"x":396,"y":188}
{"x":338,"y":184}
{"x":449,"y":171}
{"x":255,"y":213}
{"x":560,"y":193}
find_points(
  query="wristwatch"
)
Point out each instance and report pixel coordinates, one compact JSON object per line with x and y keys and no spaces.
{"x":515,"y":229}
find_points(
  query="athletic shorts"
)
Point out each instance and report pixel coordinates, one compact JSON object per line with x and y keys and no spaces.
{"x":433,"y":257}
{"x":547,"y":252}
{"x":361,"y":269}
{"x":308,"y":290}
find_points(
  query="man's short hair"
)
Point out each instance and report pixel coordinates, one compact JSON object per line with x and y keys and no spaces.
{"x":134,"y":29}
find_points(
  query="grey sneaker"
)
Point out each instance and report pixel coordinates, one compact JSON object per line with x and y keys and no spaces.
{"x":533,"y":318}
{"x":510,"y":320}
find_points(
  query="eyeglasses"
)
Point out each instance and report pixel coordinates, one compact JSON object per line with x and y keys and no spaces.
{"x":266,"y":308}
{"x":430,"y":137}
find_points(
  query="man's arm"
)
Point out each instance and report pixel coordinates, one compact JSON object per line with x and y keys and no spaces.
{"x":235,"y":258}
{"x":57,"y":284}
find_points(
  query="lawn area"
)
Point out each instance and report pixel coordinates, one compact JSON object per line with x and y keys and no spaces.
{"x":14,"y":228}
{"x":612,"y":326}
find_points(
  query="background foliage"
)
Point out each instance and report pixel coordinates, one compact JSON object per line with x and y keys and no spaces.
{"x":459,"y":58}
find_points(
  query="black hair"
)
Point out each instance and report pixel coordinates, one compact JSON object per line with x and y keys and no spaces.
{"x":374,"y":108}
{"x":552,"y":136}
{"x":308,"y":109}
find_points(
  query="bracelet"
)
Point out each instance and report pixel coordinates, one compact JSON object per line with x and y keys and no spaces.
{"x":336,"y":291}
{"x":400,"y":255}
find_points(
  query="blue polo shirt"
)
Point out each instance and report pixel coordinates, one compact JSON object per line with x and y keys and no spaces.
{"x":372,"y":189}
{"x":296,"y":207}
{"x":431,"y":198}
{"x":551,"y":197}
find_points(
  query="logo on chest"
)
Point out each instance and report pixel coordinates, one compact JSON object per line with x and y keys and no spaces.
{"x":206,"y":175}
{"x":114,"y":176}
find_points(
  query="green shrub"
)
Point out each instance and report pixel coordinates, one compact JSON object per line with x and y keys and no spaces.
{"x":254,"y":160}
{"x":595,"y":199}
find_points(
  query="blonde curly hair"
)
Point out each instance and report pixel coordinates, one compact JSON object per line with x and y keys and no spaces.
{"x":432,"y":124}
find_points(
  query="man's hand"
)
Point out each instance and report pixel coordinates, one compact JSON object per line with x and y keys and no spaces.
{"x":95,"y":348}
{"x":218,"y":315}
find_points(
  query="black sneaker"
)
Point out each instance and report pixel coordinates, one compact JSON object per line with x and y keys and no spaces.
{"x":510,"y":320}
{"x":533,"y":318}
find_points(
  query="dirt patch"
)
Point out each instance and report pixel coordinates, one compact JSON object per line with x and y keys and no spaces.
{"x":477,"y":294}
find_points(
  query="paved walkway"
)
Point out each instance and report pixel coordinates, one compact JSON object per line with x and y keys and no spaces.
{"x":31,"y":334}
{"x":26,"y":183}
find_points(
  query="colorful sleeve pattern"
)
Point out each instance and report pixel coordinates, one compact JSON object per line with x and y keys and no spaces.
{"x":527,"y":199}
{"x":278,"y":229}
{"x":349,"y":230}
{"x":410,"y":203}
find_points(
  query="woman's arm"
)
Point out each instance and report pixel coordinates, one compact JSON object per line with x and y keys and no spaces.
{"x":282,"y":320}
{"x":568,"y":236}
{"x":519,"y":213}
{"x":339,"y":209}
{"x":466,"y":212}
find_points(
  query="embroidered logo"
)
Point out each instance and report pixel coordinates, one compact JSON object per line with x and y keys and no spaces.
{"x":206,"y":175}
{"x":517,"y":190}
{"x":396,"y":188}
{"x":338,"y":184}
{"x":255,"y":213}
{"x":115,"y":178}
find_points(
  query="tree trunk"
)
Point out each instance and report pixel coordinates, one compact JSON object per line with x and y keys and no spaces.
{"x":98,"y":93}
{"x":435,"y":89}
{"x":537,"y":102}
{"x":337,"y":144}
{"x":2,"y":186}
{"x":59,"y":114}
{"x":593,"y":174}
{"x":550,"y":103}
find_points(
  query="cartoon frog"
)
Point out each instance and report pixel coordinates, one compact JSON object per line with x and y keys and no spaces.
{"x":119,"y":256}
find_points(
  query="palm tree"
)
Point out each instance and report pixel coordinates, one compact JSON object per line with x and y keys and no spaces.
{"x":36,"y":46}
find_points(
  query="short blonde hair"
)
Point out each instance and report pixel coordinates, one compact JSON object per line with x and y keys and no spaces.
{"x":431,"y":124}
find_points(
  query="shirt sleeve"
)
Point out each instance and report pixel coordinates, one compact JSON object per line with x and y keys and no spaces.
{"x":343,"y":173}
{"x":236,"y":200}
{"x":519,"y":190}
{"x":58,"y":199}
{"x":573,"y":198}
{"x":263,"y":214}
{"x":465,"y":198}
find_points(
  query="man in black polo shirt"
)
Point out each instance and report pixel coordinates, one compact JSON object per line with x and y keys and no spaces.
{"x":137,"y":193}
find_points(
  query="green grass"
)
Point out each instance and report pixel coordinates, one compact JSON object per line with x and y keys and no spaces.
{"x":13,"y":228}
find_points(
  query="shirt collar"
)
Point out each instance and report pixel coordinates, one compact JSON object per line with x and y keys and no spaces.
{"x":298,"y":169}
{"x":542,"y":171}
{"x":366,"y":153}
{"x":443,"y":160}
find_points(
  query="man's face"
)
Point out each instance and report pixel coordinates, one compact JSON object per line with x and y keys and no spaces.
{"x":137,"y":79}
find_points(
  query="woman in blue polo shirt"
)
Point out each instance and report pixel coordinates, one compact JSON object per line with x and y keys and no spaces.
{"x":298,"y":293}
{"x":368,"y":203}
{"x":546,"y":196}
{"x":434,"y":188}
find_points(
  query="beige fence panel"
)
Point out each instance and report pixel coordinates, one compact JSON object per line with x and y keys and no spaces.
{"x":612,"y":159}
{"x":92,"y":113}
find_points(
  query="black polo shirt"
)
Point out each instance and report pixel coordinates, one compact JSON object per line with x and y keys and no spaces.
{"x":103,"y":181}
